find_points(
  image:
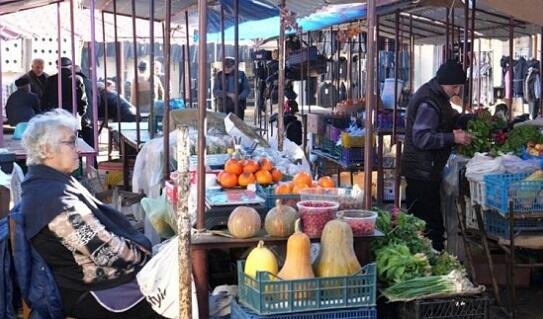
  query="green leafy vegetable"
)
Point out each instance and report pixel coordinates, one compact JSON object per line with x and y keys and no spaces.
{"x":396,"y":264}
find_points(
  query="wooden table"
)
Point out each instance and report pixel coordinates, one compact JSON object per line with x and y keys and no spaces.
{"x":201,"y":242}
{"x":15,"y":146}
{"x":127,"y":138}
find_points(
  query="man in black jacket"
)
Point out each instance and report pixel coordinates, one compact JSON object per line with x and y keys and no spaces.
{"x":50,"y":97}
{"x":231,"y":85}
{"x":37,"y":78}
{"x":22,"y":105}
{"x":429,"y":137}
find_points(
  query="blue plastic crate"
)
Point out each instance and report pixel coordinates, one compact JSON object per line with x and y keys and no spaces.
{"x":240,"y":312}
{"x":498,"y":225}
{"x":269,"y":196}
{"x":269,"y":295}
{"x":527,"y":196}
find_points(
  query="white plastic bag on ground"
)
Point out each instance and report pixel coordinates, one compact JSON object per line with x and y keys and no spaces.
{"x":159,"y":282}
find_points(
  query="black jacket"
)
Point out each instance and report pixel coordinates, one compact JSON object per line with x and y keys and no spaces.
{"x":50,"y":97}
{"x":421,"y":164}
{"x":128,"y":111}
{"x":37,"y":83}
{"x":21,"y":106}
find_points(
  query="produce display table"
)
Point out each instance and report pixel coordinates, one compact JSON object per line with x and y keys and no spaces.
{"x":15,"y":146}
{"x":205,"y":241}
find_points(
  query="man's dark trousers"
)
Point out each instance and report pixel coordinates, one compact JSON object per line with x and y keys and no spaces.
{"x":423,"y":200}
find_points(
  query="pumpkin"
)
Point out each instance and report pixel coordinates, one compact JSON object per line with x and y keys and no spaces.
{"x":246,"y":179}
{"x":227,"y":180}
{"x":280,"y":220}
{"x":251,"y":166}
{"x":336,"y":257}
{"x":263,"y":177}
{"x":244,"y":222}
{"x":298,"y":262}
{"x":282,"y":189}
{"x":260,"y":259}
{"x":277,"y":175}
{"x":233,"y":166}
{"x":266,"y":164}
{"x":326,"y":182}
{"x":302,"y":179}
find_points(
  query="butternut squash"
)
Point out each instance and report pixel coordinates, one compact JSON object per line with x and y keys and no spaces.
{"x":336,"y":257}
{"x":298,"y":262}
{"x":280,"y":220}
{"x":260,"y":259}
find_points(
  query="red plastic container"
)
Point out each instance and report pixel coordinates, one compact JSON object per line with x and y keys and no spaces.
{"x":315,"y":214}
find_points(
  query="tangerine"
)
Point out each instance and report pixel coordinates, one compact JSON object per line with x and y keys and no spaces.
{"x":263,"y":177}
{"x":266,"y":164}
{"x":277,"y":175}
{"x":302,"y":178}
{"x":246,"y":179}
{"x":228,"y":180}
{"x":283,"y":188}
{"x":326,"y":182}
{"x":233,"y":166}
{"x":251,"y":166}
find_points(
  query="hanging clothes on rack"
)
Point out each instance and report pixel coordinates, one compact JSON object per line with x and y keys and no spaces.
{"x":532,"y":87}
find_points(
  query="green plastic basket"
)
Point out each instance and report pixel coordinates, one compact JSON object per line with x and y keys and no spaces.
{"x":268,"y":294}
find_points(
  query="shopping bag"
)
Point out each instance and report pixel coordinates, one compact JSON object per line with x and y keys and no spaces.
{"x":159,"y":282}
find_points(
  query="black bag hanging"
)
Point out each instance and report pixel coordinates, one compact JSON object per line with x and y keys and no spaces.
{"x":328,"y":95}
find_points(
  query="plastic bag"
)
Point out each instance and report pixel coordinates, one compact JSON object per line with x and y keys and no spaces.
{"x":156,"y":210}
{"x":159,"y":282}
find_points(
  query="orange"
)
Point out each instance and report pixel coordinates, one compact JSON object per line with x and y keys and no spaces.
{"x":326,"y":182}
{"x":233,"y":166}
{"x":227,"y":180}
{"x":297,"y":188}
{"x":302,"y":178}
{"x":277,"y":175}
{"x":266,"y":164}
{"x":263,"y":177}
{"x":251,"y":166}
{"x":246,"y":179}
{"x":283,"y":188}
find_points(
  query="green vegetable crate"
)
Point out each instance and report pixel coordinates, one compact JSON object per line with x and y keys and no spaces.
{"x":269,"y":295}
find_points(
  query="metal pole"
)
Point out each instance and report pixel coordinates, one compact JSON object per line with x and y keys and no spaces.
{"x":93,"y":74}
{"x":281,"y":84}
{"x":371,"y":101}
{"x":359,"y":78}
{"x":152,"y":128}
{"x":72,"y":41}
{"x":472,"y":50}
{"x":184,"y":75}
{"x":136,"y":76}
{"x":166,"y":118}
{"x":396,"y":75}
{"x":236,"y":54}
{"x":106,"y":106}
{"x":117,"y":70}
{"x":2,"y":95}
{"x":411,"y":56}
{"x":465,"y":54}
{"x":59,"y":56}
{"x":310,"y":41}
{"x":447,"y":44}
{"x":452,"y":32}
{"x":187,"y":55}
{"x":199,"y":256}
{"x":479,"y":85}
{"x":541,"y":71}
{"x":511,"y":49}
{"x":377,"y":65}
{"x":223,"y":59}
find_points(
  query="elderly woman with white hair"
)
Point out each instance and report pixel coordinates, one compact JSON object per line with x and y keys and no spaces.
{"x":92,"y":250}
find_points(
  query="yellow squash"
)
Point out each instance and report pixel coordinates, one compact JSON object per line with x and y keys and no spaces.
{"x":336,"y":257}
{"x":298,"y":262}
{"x":260,"y":259}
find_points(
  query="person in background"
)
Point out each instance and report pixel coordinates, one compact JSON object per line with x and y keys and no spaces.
{"x":143,"y":90}
{"x":429,"y":137}
{"x":50,"y":97}
{"x":37,"y":78}
{"x":157,"y":67}
{"x":87,"y":131}
{"x":242,"y":85}
{"x":107,"y":91}
{"x":92,"y":250}
{"x":22,"y":105}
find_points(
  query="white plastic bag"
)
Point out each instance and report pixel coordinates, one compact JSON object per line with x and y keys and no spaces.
{"x":159,"y":282}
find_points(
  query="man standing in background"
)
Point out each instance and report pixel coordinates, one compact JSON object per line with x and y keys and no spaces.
{"x":37,"y":78}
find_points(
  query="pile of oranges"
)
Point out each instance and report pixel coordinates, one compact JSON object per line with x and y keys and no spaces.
{"x":245,"y":172}
{"x":303,"y":180}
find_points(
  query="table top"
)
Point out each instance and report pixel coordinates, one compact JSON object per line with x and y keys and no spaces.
{"x":16,"y":147}
{"x":129,"y":132}
{"x":206,"y":240}
{"x":128,"y":126}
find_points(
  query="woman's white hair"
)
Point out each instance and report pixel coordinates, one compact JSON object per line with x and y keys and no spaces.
{"x":45,"y":129}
